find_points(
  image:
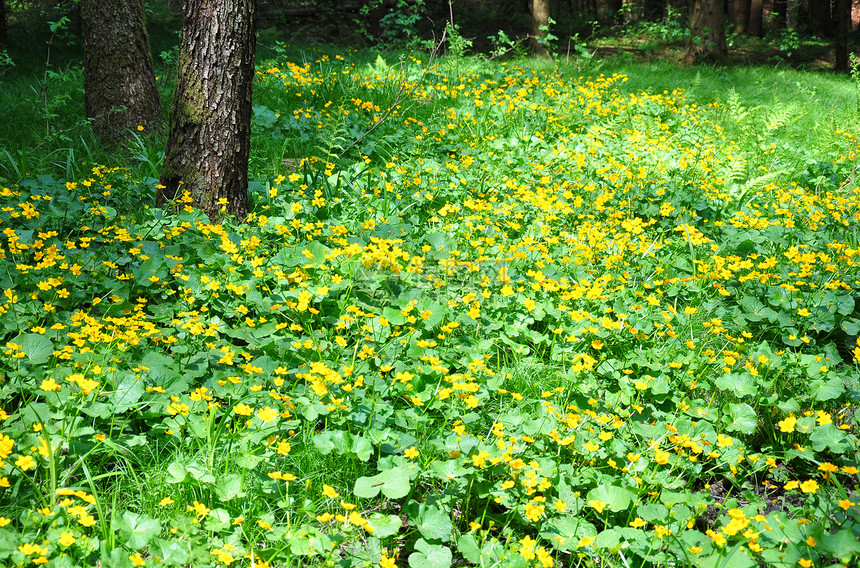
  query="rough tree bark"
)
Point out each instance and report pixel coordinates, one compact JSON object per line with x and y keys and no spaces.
{"x":707,"y":32}
{"x":540,"y":25}
{"x":210,"y":118}
{"x":120,"y":92}
{"x":740,"y":15}
{"x":755,"y":27}
{"x":843,"y":26}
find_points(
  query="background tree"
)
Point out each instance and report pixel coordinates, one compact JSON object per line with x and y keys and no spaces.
{"x":820,"y":22}
{"x":120,"y":92}
{"x":755,"y":27}
{"x":540,"y":27}
{"x":707,"y":32}
{"x":210,"y":117}
{"x":740,"y":15}
{"x":843,"y":26}
{"x":2,"y":22}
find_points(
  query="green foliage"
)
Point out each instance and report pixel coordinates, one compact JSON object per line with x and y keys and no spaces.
{"x":529,"y":316}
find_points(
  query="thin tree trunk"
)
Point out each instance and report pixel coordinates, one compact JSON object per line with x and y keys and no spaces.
{"x":707,"y":32}
{"x":755,"y":27}
{"x":120,"y":92}
{"x":740,"y":15}
{"x":843,"y":26}
{"x":540,"y":25}
{"x":210,"y":118}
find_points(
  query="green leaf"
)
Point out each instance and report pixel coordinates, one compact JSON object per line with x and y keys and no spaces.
{"x":736,"y":557}
{"x":829,"y":436}
{"x":393,"y":483}
{"x":653,"y":513}
{"x":38,"y":348}
{"x":430,"y":555}
{"x":827,"y":390}
{"x":842,"y":544}
{"x":564,"y":532}
{"x":127,"y":393}
{"x":738,"y":384}
{"x":137,"y":530}
{"x":177,"y":472}
{"x":741,"y":418}
{"x":229,"y":487}
{"x":433,"y":523}
{"x":616,"y":498}
{"x":467,"y":545}
{"x":384,"y":525}
{"x":172,"y":552}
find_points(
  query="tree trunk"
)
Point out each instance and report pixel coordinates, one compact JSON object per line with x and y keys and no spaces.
{"x":540,"y":26}
{"x":3,"y":36}
{"x":740,"y":15}
{"x":210,"y":118}
{"x":120,"y":93}
{"x":820,"y":21}
{"x":707,"y":32}
{"x":780,"y":13}
{"x":843,"y":26}
{"x":755,"y":27}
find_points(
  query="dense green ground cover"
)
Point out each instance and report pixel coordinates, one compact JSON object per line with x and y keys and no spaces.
{"x":502,"y":313}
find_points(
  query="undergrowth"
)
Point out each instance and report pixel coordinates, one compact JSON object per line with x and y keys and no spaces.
{"x":530,"y":315}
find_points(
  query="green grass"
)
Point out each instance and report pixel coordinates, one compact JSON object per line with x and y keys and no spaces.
{"x":509,"y":313}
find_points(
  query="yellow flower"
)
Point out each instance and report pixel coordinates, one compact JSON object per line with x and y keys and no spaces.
{"x":828,"y":467}
{"x":267,"y":414}
{"x":480,"y":459}
{"x":411,"y":453}
{"x":527,"y":547}
{"x":66,"y":539}
{"x":165,"y":502}
{"x":585,"y":541}
{"x":805,"y":562}
{"x":787,"y":425}
{"x":243,"y":410}
{"x":136,"y":560}
{"x":50,"y":385}
{"x":809,"y":486}
{"x":597,"y":505}
{"x":329,"y":492}
{"x":25,"y":462}
{"x":386,"y":562}
{"x":638,"y":523}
